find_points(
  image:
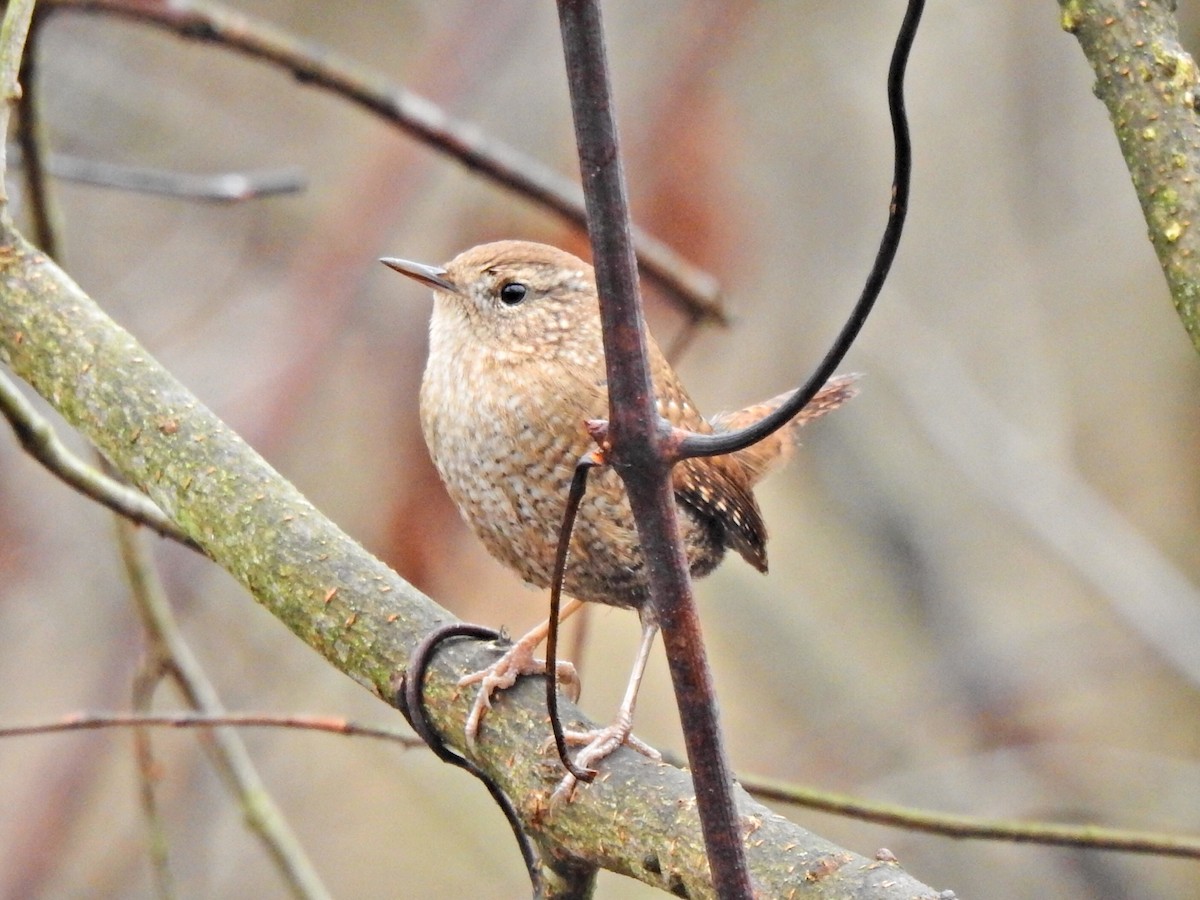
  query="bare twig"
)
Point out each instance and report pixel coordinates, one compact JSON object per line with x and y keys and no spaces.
{"x":695,"y":290}
{"x":29,"y":146}
{"x":18,"y":15}
{"x":94,"y":721}
{"x":1092,"y":837}
{"x":636,"y":451}
{"x":218,"y":187}
{"x":145,"y":680}
{"x":170,"y":655}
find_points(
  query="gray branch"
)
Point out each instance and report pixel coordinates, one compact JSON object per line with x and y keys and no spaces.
{"x":360,"y":615}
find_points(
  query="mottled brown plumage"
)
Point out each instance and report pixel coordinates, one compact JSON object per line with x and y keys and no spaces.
{"x":515,"y":371}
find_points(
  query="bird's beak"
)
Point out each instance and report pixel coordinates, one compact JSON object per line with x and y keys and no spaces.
{"x":433,"y":276}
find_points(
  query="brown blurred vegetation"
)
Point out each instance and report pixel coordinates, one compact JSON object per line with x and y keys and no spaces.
{"x":948,"y":621}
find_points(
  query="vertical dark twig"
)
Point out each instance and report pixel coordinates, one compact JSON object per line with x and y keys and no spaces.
{"x":29,"y":139}
{"x":637,"y":440}
{"x":642,"y":449}
{"x":14,"y":30}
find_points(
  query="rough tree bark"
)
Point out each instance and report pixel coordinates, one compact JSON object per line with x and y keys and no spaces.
{"x":1151,"y":87}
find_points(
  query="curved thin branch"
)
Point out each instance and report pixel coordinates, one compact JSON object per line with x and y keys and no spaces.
{"x":694,"y":289}
{"x":574,"y":497}
{"x":1151,"y":87}
{"x":687,"y":444}
{"x":169,"y":656}
{"x":39,"y":440}
{"x":215,"y":187}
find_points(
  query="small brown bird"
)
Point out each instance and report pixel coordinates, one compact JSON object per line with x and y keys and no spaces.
{"x":515,"y":371}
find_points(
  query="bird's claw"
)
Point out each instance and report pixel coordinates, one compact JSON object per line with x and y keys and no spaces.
{"x":598,"y":744}
{"x":518,"y":660}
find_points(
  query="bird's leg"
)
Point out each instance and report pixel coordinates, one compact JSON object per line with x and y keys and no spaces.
{"x":602,"y":742}
{"x":518,"y":660}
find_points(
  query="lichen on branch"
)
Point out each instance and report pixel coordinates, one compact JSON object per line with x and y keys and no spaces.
{"x":1151,"y":87}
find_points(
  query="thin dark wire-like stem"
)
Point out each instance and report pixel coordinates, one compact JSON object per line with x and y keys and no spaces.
{"x":637,"y":442}
{"x":689,"y":444}
{"x":410,"y":698}
{"x":574,"y":497}
{"x":694,"y":289}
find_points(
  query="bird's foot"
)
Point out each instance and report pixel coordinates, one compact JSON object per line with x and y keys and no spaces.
{"x":598,"y":744}
{"x":518,"y":660}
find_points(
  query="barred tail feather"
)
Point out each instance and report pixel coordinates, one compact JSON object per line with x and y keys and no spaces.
{"x":774,"y":450}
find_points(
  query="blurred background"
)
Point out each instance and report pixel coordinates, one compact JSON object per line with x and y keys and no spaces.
{"x":985,"y":580}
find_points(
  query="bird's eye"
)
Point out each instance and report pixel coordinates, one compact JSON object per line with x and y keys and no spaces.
{"x":513,"y":293}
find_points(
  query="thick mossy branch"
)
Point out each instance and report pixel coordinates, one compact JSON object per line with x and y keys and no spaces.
{"x":638,"y":818}
{"x":1150,"y":86}
{"x":253,"y":523}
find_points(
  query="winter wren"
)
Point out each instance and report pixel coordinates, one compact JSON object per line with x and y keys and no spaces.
{"x":516,"y":369}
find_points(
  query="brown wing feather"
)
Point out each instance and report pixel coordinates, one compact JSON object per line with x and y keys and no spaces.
{"x":718,"y":488}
